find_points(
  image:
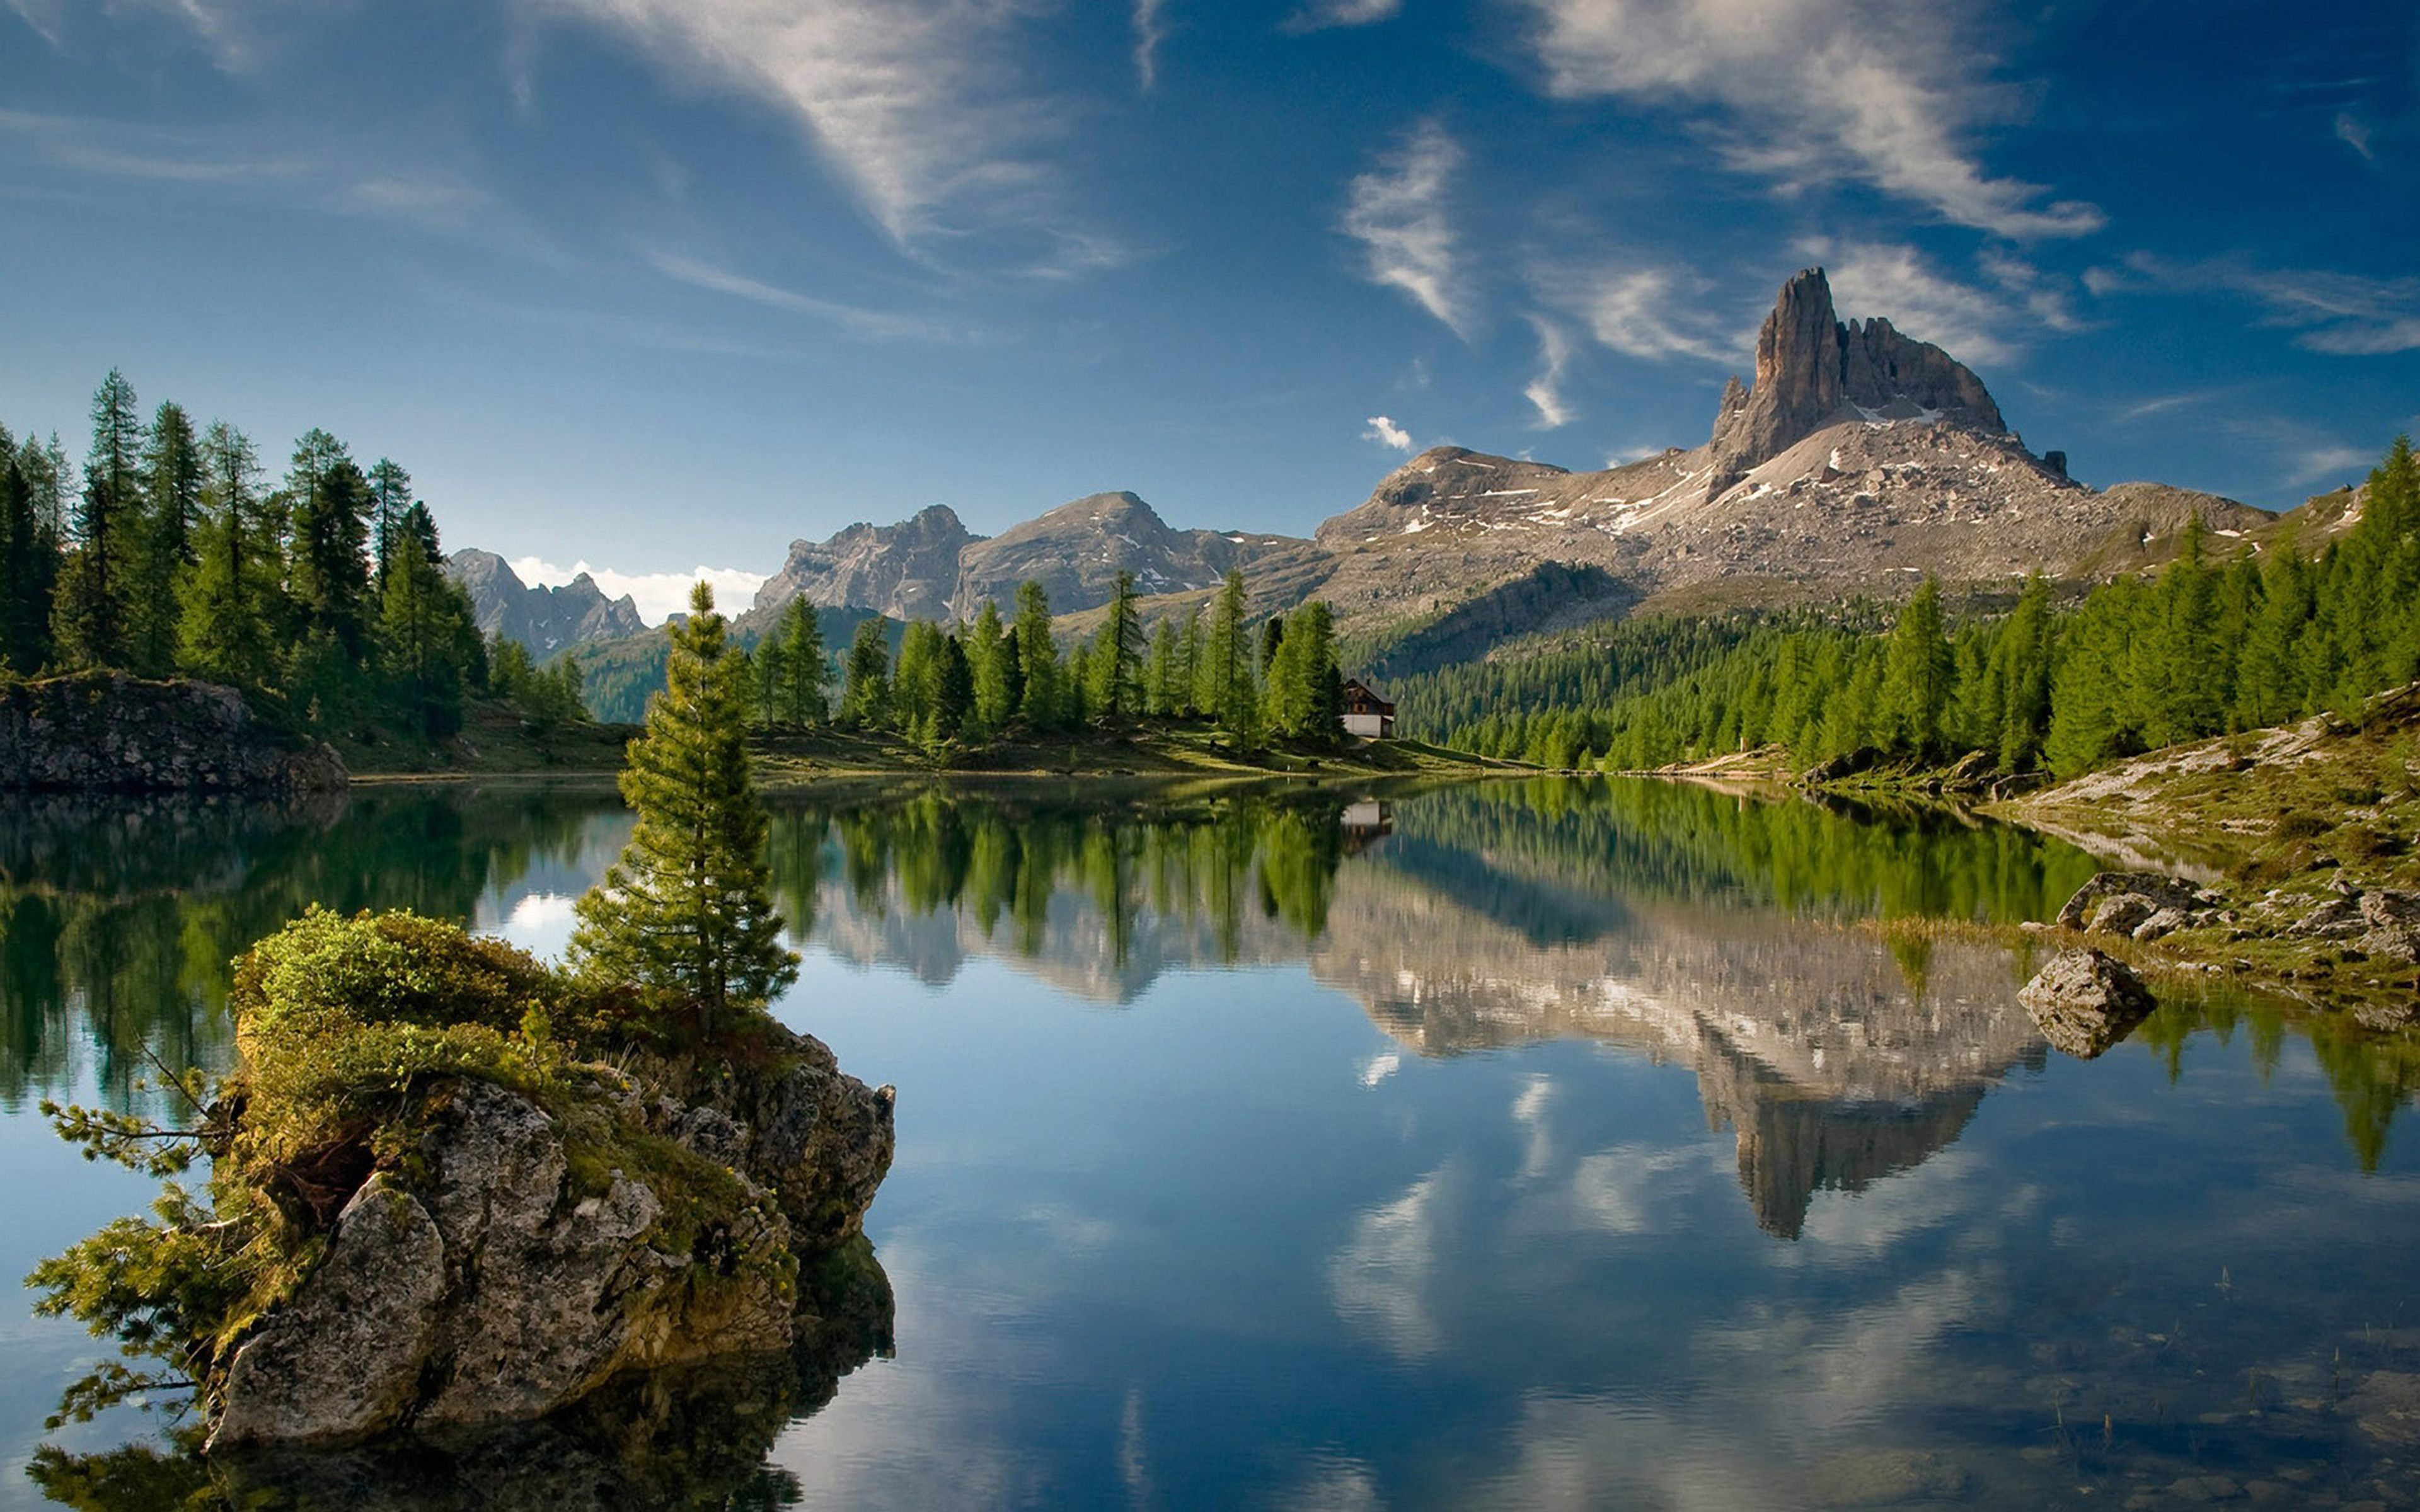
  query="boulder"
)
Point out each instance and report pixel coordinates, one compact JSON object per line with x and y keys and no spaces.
{"x":2121,"y":914}
{"x":1848,"y":764}
{"x":2332,"y":918}
{"x":2162,"y":924}
{"x":2085,"y":1001}
{"x":2156,"y":891}
{"x":2394,"y":924}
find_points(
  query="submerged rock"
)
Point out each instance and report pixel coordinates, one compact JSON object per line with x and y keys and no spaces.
{"x":2084,"y":1001}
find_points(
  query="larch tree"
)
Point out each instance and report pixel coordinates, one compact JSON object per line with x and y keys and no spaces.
{"x":92,"y":612}
{"x":865,"y":697}
{"x":29,"y":554}
{"x":222,"y":630}
{"x":804,"y":666}
{"x":1917,"y":674}
{"x":390,"y":499}
{"x":164,"y":554}
{"x":1037,"y":658}
{"x":688,"y":912}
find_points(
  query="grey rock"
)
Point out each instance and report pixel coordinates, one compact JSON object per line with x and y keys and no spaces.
{"x":2163,"y":923}
{"x":2085,"y":1001}
{"x":2121,"y":914}
{"x":2392,"y":921}
{"x":112,"y":732}
{"x":712,"y":1133}
{"x":343,"y":1359}
{"x":2155,"y":889}
{"x":2332,"y":918}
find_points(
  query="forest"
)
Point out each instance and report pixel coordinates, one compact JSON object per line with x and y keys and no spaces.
{"x":2207,"y":648}
{"x":321,"y":594}
{"x":1002,"y":676}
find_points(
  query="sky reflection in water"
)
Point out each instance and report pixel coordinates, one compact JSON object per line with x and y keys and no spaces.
{"x":1556,"y":1146}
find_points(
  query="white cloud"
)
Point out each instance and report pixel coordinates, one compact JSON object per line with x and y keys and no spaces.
{"x":1387,"y":433}
{"x":2331,"y":464}
{"x":2356,"y":135}
{"x":1399,"y":214}
{"x":1650,"y":313}
{"x":915,"y":103}
{"x":659,"y":595}
{"x":1546,"y":392}
{"x":1379,"y":1280}
{"x":2049,"y":299}
{"x":877,"y":325}
{"x":44,"y":16}
{"x":1386,"y":1062}
{"x":1150,"y":30}
{"x":1319,"y":15}
{"x":2345,"y":314}
{"x":1895,"y":282}
{"x":1887,"y":90}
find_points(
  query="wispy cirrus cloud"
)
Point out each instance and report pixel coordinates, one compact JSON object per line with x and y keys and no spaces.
{"x":2344,"y":314}
{"x":1545,"y":391}
{"x":1888,"y":91}
{"x":1150,"y":30}
{"x":1400,"y":212}
{"x":1655,"y":313}
{"x":1872,"y":279}
{"x":1320,"y":15}
{"x":917,"y":105}
{"x":874,"y":325}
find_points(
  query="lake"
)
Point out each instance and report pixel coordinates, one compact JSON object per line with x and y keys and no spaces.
{"x":1545,"y":1144}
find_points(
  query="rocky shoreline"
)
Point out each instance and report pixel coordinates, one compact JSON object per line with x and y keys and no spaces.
{"x":114,"y":732}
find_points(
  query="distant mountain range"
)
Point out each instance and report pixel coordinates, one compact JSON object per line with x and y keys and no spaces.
{"x":1857,"y":459}
{"x":544,"y":620}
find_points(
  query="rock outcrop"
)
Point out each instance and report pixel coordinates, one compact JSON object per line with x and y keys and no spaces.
{"x":1812,"y":371}
{"x":2085,"y":1001}
{"x":112,"y":732}
{"x":544,"y":620}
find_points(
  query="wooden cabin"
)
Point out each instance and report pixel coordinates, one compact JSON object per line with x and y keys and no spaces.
{"x":1366,"y":714}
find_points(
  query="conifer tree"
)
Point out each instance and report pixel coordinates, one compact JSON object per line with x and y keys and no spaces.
{"x":329,"y":571}
{"x":1306,"y":692}
{"x":803,"y":665}
{"x":426,"y":640}
{"x":957,"y":700}
{"x":865,"y":698}
{"x":1230,"y":694}
{"x":390,"y":498}
{"x":28,"y":569}
{"x":688,"y":912}
{"x":766,"y":669}
{"x":92,"y":611}
{"x":1037,"y":658}
{"x":916,"y":685}
{"x":1159,"y":677}
{"x":164,"y":554}
{"x":223,"y":632}
{"x":992,"y":660}
{"x":1118,"y":673}
{"x":1916,"y":676}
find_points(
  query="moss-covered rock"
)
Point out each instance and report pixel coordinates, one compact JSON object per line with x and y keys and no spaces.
{"x":451,"y":1188}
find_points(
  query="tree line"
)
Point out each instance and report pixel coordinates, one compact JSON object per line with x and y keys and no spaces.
{"x":2205,"y":648}
{"x":1001,"y":677}
{"x":173,"y":552}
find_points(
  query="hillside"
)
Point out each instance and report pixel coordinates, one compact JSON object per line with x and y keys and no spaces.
{"x":1857,"y":461}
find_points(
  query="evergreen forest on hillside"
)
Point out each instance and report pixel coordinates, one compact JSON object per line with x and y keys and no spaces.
{"x":2205,"y":649}
{"x":172,"y":552}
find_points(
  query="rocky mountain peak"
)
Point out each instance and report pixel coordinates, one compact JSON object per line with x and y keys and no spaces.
{"x":543,"y":620}
{"x":1813,"y":370}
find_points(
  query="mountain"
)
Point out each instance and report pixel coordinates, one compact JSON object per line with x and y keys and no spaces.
{"x":1855,"y":460}
{"x":543,"y":620}
{"x":931,"y":568}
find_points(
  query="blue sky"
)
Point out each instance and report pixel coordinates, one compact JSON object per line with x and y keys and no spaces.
{"x":656,"y":282}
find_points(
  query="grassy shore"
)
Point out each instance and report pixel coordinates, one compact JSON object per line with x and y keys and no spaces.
{"x":495,"y":742}
{"x":2279,"y":823}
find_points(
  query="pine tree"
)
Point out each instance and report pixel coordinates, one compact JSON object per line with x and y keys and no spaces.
{"x":957,"y":700}
{"x":30,"y":565}
{"x":865,"y":698}
{"x":222,"y":630}
{"x":2020,"y":661}
{"x":1160,"y":678}
{"x":1121,"y":647}
{"x":1037,"y":659}
{"x":426,"y":640}
{"x":993,"y":661}
{"x":804,"y":667}
{"x":1300,"y":705}
{"x":1917,"y":674}
{"x":329,"y":571}
{"x":915,"y":686}
{"x":390,"y":498}
{"x":1230,"y":694}
{"x":765,"y":675}
{"x":92,"y":612}
{"x":688,"y":913}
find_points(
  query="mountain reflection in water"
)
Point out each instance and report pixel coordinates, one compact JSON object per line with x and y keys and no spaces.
{"x":1473,"y":1251}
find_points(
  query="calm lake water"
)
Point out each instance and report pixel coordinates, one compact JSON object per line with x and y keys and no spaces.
{"x":1564,"y":1144}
